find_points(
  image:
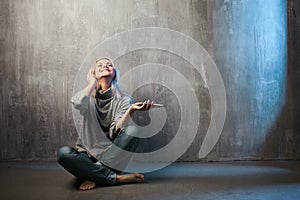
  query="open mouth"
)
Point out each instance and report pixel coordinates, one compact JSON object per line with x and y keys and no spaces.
{"x":104,"y":70}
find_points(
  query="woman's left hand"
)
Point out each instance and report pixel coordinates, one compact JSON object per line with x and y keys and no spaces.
{"x":146,"y":105}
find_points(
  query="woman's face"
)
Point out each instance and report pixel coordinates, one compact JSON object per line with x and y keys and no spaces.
{"x":104,"y":68}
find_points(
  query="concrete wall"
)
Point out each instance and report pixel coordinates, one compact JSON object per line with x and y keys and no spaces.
{"x":43,"y":44}
{"x":250,"y":49}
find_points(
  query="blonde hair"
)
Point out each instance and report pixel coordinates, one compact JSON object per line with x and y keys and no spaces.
{"x":114,"y":85}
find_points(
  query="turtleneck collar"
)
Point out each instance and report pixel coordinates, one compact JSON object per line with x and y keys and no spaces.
{"x":104,"y":94}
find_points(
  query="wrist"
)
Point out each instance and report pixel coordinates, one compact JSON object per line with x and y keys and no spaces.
{"x":131,"y":109}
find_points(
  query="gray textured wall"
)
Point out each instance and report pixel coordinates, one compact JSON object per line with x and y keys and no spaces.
{"x":43,"y":43}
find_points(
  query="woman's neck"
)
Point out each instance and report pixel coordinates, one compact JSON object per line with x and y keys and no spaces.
{"x":104,"y":84}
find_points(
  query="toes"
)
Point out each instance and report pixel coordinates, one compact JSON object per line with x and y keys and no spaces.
{"x":87,"y":186}
{"x":83,"y":187}
{"x":140,"y":177}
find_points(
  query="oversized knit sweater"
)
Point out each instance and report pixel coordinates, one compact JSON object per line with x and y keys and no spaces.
{"x":99,"y":115}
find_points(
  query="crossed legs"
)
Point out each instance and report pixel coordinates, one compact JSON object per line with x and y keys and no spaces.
{"x":95,"y":173}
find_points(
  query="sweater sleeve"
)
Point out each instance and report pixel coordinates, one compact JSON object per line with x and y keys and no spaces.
{"x":120,"y":111}
{"x":80,"y":102}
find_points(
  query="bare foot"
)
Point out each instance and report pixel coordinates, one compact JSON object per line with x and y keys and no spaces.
{"x":130,"y":178}
{"x":87,"y":185}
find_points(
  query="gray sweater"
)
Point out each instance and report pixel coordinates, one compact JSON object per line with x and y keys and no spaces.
{"x":98,"y":118}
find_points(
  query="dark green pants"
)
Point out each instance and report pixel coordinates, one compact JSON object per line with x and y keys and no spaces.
{"x":86,"y":168}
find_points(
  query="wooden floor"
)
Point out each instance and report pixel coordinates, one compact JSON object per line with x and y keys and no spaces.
{"x":221,"y":180}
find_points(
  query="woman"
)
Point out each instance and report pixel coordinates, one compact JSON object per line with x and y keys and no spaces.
{"x":106,"y":112}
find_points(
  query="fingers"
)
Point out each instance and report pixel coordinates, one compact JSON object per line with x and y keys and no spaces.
{"x":88,"y":76}
{"x":91,"y":75}
{"x":92,"y":72}
{"x":146,"y":105}
{"x":149,"y":104}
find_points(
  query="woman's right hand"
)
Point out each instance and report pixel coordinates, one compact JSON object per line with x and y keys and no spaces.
{"x":92,"y":83}
{"x":91,"y":79}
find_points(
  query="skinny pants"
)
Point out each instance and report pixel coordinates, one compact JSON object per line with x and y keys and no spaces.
{"x":84,"y":167}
